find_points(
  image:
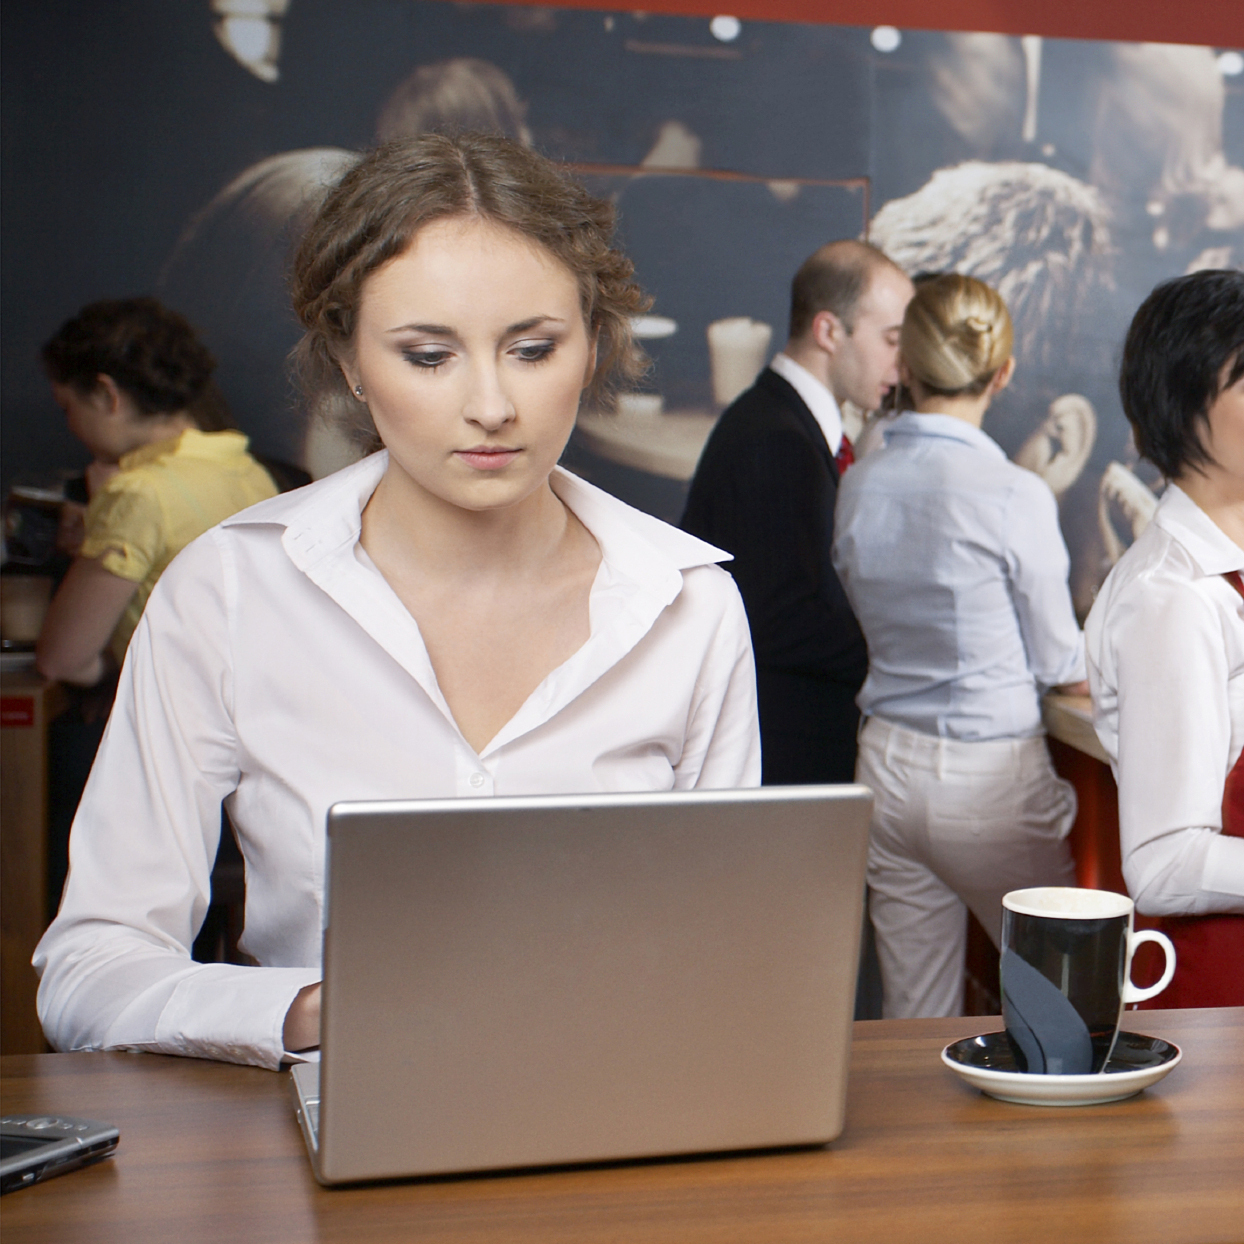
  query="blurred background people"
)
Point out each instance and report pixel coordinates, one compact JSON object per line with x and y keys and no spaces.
{"x":1166,"y":636}
{"x":136,"y":387}
{"x":952,"y":560}
{"x":765,"y":491}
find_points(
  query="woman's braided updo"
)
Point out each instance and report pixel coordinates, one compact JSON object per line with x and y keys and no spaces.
{"x":956,"y":335}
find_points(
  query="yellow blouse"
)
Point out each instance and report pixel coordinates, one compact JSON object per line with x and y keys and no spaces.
{"x":165,"y":495}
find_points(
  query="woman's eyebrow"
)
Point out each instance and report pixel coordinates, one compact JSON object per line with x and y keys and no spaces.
{"x":523,"y":325}
{"x":444,"y":330}
{"x":439,"y":330}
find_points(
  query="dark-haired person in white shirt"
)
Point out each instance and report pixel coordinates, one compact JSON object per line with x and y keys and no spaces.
{"x":1166,"y":636}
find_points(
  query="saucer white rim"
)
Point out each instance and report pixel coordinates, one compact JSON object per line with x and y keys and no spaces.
{"x":1054,"y":1090}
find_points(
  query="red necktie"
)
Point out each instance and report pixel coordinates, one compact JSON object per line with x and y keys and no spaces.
{"x":845,"y":455}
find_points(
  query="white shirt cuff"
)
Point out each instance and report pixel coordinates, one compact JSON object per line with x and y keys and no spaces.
{"x":1224,"y":867}
{"x":232,"y":1014}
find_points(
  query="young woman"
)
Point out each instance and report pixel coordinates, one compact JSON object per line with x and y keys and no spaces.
{"x":451,"y":616}
{"x":955,"y":566}
{"x":1166,"y":636}
{"x":136,"y":387}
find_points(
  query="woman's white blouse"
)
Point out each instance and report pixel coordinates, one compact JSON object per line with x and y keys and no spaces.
{"x":275,"y":669}
{"x":1166,"y":668}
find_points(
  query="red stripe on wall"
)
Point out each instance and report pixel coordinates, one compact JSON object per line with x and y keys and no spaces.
{"x":1219,"y":23}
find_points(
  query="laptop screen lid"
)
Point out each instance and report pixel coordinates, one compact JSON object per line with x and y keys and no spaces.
{"x":531,"y":981}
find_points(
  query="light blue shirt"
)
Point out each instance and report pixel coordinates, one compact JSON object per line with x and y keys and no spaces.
{"x":954,"y":563}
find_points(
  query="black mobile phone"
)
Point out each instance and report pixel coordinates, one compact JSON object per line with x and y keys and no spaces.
{"x":34,"y":1147}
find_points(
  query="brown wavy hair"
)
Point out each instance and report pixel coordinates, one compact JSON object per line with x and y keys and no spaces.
{"x":379,"y":205}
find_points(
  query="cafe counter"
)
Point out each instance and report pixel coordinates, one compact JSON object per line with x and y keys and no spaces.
{"x":1079,"y":757}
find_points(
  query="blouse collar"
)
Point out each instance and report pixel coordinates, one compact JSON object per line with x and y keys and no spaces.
{"x":640,"y":575}
{"x":324,"y":516}
{"x":1208,"y":545}
{"x":945,"y":427}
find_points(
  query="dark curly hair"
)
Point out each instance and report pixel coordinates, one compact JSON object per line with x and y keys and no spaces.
{"x":375,"y":211}
{"x":1184,"y":347}
{"x":150,"y":351}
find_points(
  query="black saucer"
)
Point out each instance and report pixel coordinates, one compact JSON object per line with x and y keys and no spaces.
{"x":987,"y":1063}
{"x":991,"y":1051}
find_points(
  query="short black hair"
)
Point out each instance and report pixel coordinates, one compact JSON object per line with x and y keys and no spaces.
{"x":1186,"y":335}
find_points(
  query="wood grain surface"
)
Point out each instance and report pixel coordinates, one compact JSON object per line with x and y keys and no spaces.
{"x":212,"y":1152}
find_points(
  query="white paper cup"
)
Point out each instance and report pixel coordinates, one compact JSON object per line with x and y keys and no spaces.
{"x":738,"y":348}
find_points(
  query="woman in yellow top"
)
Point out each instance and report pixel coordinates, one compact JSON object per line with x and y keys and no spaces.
{"x":136,"y":387}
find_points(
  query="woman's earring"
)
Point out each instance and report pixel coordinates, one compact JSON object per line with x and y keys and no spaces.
{"x":358,"y":392}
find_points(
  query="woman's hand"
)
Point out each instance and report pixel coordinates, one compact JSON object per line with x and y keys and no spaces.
{"x":1072,"y":688}
{"x":71,"y":530}
{"x":302,"y":1021}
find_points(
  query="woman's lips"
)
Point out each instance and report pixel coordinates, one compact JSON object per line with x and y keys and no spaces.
{"x":487,"y":459}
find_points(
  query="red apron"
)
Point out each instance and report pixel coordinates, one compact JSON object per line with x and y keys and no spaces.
{"x":1209,"y":950}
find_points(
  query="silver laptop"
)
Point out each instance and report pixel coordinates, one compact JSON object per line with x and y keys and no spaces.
{"x":538,"y":981}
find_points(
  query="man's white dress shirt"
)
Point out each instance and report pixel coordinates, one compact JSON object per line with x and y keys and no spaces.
{"x":816,"y":397}
{"x":276,"y":669}
{"x":1166,"y":667}
{"x":955,"y":566}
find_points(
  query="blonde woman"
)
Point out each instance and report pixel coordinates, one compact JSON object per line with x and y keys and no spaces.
{"x":953,"y":561}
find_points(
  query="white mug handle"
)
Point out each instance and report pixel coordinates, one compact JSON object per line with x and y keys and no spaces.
{"x":1133,"y":993}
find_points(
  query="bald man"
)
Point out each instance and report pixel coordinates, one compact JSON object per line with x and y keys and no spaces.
{"x":765,"y":490}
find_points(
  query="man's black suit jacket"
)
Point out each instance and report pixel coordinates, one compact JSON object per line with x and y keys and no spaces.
{"x":765,"y":490}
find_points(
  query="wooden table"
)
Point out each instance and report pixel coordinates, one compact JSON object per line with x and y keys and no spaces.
{"x":212,"y":1152}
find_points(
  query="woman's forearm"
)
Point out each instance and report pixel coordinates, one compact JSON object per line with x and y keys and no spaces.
{"x":80,"y":621}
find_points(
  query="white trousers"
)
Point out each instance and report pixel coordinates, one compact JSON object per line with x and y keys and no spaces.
{"x":955,"y":826}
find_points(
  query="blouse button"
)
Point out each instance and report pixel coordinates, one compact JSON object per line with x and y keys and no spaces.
{"x":477,"y":780}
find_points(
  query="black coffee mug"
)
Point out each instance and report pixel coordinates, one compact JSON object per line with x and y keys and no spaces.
{"x":1066,"y":976}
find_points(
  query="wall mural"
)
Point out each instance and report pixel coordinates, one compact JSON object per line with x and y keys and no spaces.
{"x":1071,"y":175}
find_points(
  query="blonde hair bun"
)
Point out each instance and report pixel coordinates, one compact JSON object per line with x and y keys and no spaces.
{"x":956,"y":334}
